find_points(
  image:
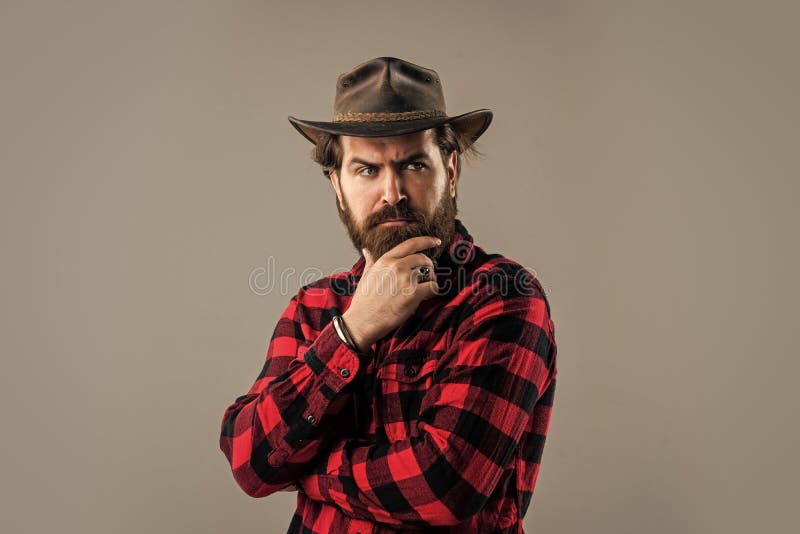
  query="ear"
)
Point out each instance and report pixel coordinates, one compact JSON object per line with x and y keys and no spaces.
{"x":452,"y":179}
{"x":336,"y":186}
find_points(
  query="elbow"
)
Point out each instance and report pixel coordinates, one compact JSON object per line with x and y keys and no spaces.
{"x":461,"y":505}
{"x":251,"y":470}
{"x":259,"y":481}
{"x":252,"y":485}
{"x":445,"y":512}
{"x":458,"y":499}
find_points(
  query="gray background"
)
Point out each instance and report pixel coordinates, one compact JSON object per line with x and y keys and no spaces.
{"x":642,"y":161}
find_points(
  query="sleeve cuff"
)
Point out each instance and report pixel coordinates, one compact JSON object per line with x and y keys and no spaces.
{"x":331,"y":360}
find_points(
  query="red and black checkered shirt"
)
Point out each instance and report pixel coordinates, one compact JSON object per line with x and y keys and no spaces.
{"x":440,"y":429}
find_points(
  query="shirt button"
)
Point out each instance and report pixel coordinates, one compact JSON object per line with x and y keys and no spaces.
{"x":311,"y":419}
{"x":345,"y":372}
{"x":409,"y":371}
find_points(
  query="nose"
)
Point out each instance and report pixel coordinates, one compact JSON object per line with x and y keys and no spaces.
{"x":393,"y":188}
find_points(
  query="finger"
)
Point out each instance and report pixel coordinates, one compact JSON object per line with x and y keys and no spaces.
{"x":417,"y":283}
{"x":428,"y":289}
{"x":423,"y":273}
{"x":368,"y":257}
{"x":415,"y":260}
{"x":412,"y":245}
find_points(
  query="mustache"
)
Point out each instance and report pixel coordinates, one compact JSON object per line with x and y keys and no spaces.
{"x":397,"y":211}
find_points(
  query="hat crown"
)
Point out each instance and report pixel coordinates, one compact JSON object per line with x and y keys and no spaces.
{"x":387,"y":85}
{"x":388,"y":96}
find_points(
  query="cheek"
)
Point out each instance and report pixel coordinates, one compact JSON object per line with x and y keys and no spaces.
{"x":366,"y":198}
{"x":361,"y":204}
{"x":428,"y":199}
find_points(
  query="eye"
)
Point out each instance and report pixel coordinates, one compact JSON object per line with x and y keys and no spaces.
{"x":416,"y":165}
{"x":363,"y":171}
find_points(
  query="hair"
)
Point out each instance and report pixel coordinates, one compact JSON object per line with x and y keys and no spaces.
{"x":328,"y":150}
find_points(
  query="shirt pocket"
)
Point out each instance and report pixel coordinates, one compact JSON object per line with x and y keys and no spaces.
{"x":403,"y":378}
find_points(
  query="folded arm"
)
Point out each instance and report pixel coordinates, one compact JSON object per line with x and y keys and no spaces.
{"x":471,"y":420}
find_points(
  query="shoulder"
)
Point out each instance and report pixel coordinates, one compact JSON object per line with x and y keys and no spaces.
{"x":504,"y":305}
{"x":508,"y":303}
{"x":496,"y":278}
{"x":326,"y":292}
{"x":504,"y":295}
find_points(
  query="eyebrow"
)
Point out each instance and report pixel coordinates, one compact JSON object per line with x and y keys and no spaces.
{"x":409,"y":159}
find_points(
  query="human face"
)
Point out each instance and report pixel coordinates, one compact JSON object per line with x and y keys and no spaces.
{"x":384,"y":180}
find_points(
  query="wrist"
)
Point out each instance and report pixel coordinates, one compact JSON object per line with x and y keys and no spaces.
{"x":343,"y":333}
{"x":360,"y":340}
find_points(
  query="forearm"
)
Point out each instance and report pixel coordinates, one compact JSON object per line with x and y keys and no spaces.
{"x":272,"y":434}
{"x":445,"y":471}
{"x":405,"y":483}
{"x":358,"y":331}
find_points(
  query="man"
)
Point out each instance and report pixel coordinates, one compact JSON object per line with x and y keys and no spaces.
{"x":413,"y":392}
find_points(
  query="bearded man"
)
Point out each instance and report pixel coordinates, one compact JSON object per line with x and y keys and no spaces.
{"x":414,"y":391}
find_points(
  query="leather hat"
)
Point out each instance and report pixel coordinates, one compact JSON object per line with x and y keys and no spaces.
{"x":389,"y":96}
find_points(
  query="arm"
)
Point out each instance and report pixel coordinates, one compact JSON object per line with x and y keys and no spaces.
{"x":272,"y":434}
{"x":471,"y":420}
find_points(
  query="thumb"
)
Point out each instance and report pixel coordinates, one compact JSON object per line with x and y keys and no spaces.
{"x":368,"y":260}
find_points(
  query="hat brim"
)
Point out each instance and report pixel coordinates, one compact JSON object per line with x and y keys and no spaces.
{"x":472,"y":124}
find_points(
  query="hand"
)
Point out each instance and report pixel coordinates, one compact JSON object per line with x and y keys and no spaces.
{"x":389,"y":291}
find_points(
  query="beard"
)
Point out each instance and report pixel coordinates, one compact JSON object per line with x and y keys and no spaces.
{"x":378,"y":240}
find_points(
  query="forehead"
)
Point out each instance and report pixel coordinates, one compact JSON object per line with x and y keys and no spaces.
{"x":394,"y":147}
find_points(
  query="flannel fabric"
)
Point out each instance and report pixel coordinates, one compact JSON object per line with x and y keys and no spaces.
{"x":441,"y":428}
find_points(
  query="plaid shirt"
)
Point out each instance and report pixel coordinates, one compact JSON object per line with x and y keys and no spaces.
{"x":440,"y":428}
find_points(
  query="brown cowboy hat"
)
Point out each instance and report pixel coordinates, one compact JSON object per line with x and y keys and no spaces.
{"x":389,"y":96}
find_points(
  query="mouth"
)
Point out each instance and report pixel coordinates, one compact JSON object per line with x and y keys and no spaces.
{"x":394,"y":222}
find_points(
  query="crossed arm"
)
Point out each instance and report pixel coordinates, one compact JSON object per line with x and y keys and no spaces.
{"x":471,"y":419}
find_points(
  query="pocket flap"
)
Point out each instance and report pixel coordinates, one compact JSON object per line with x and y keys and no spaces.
{"x":405,"y":366}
